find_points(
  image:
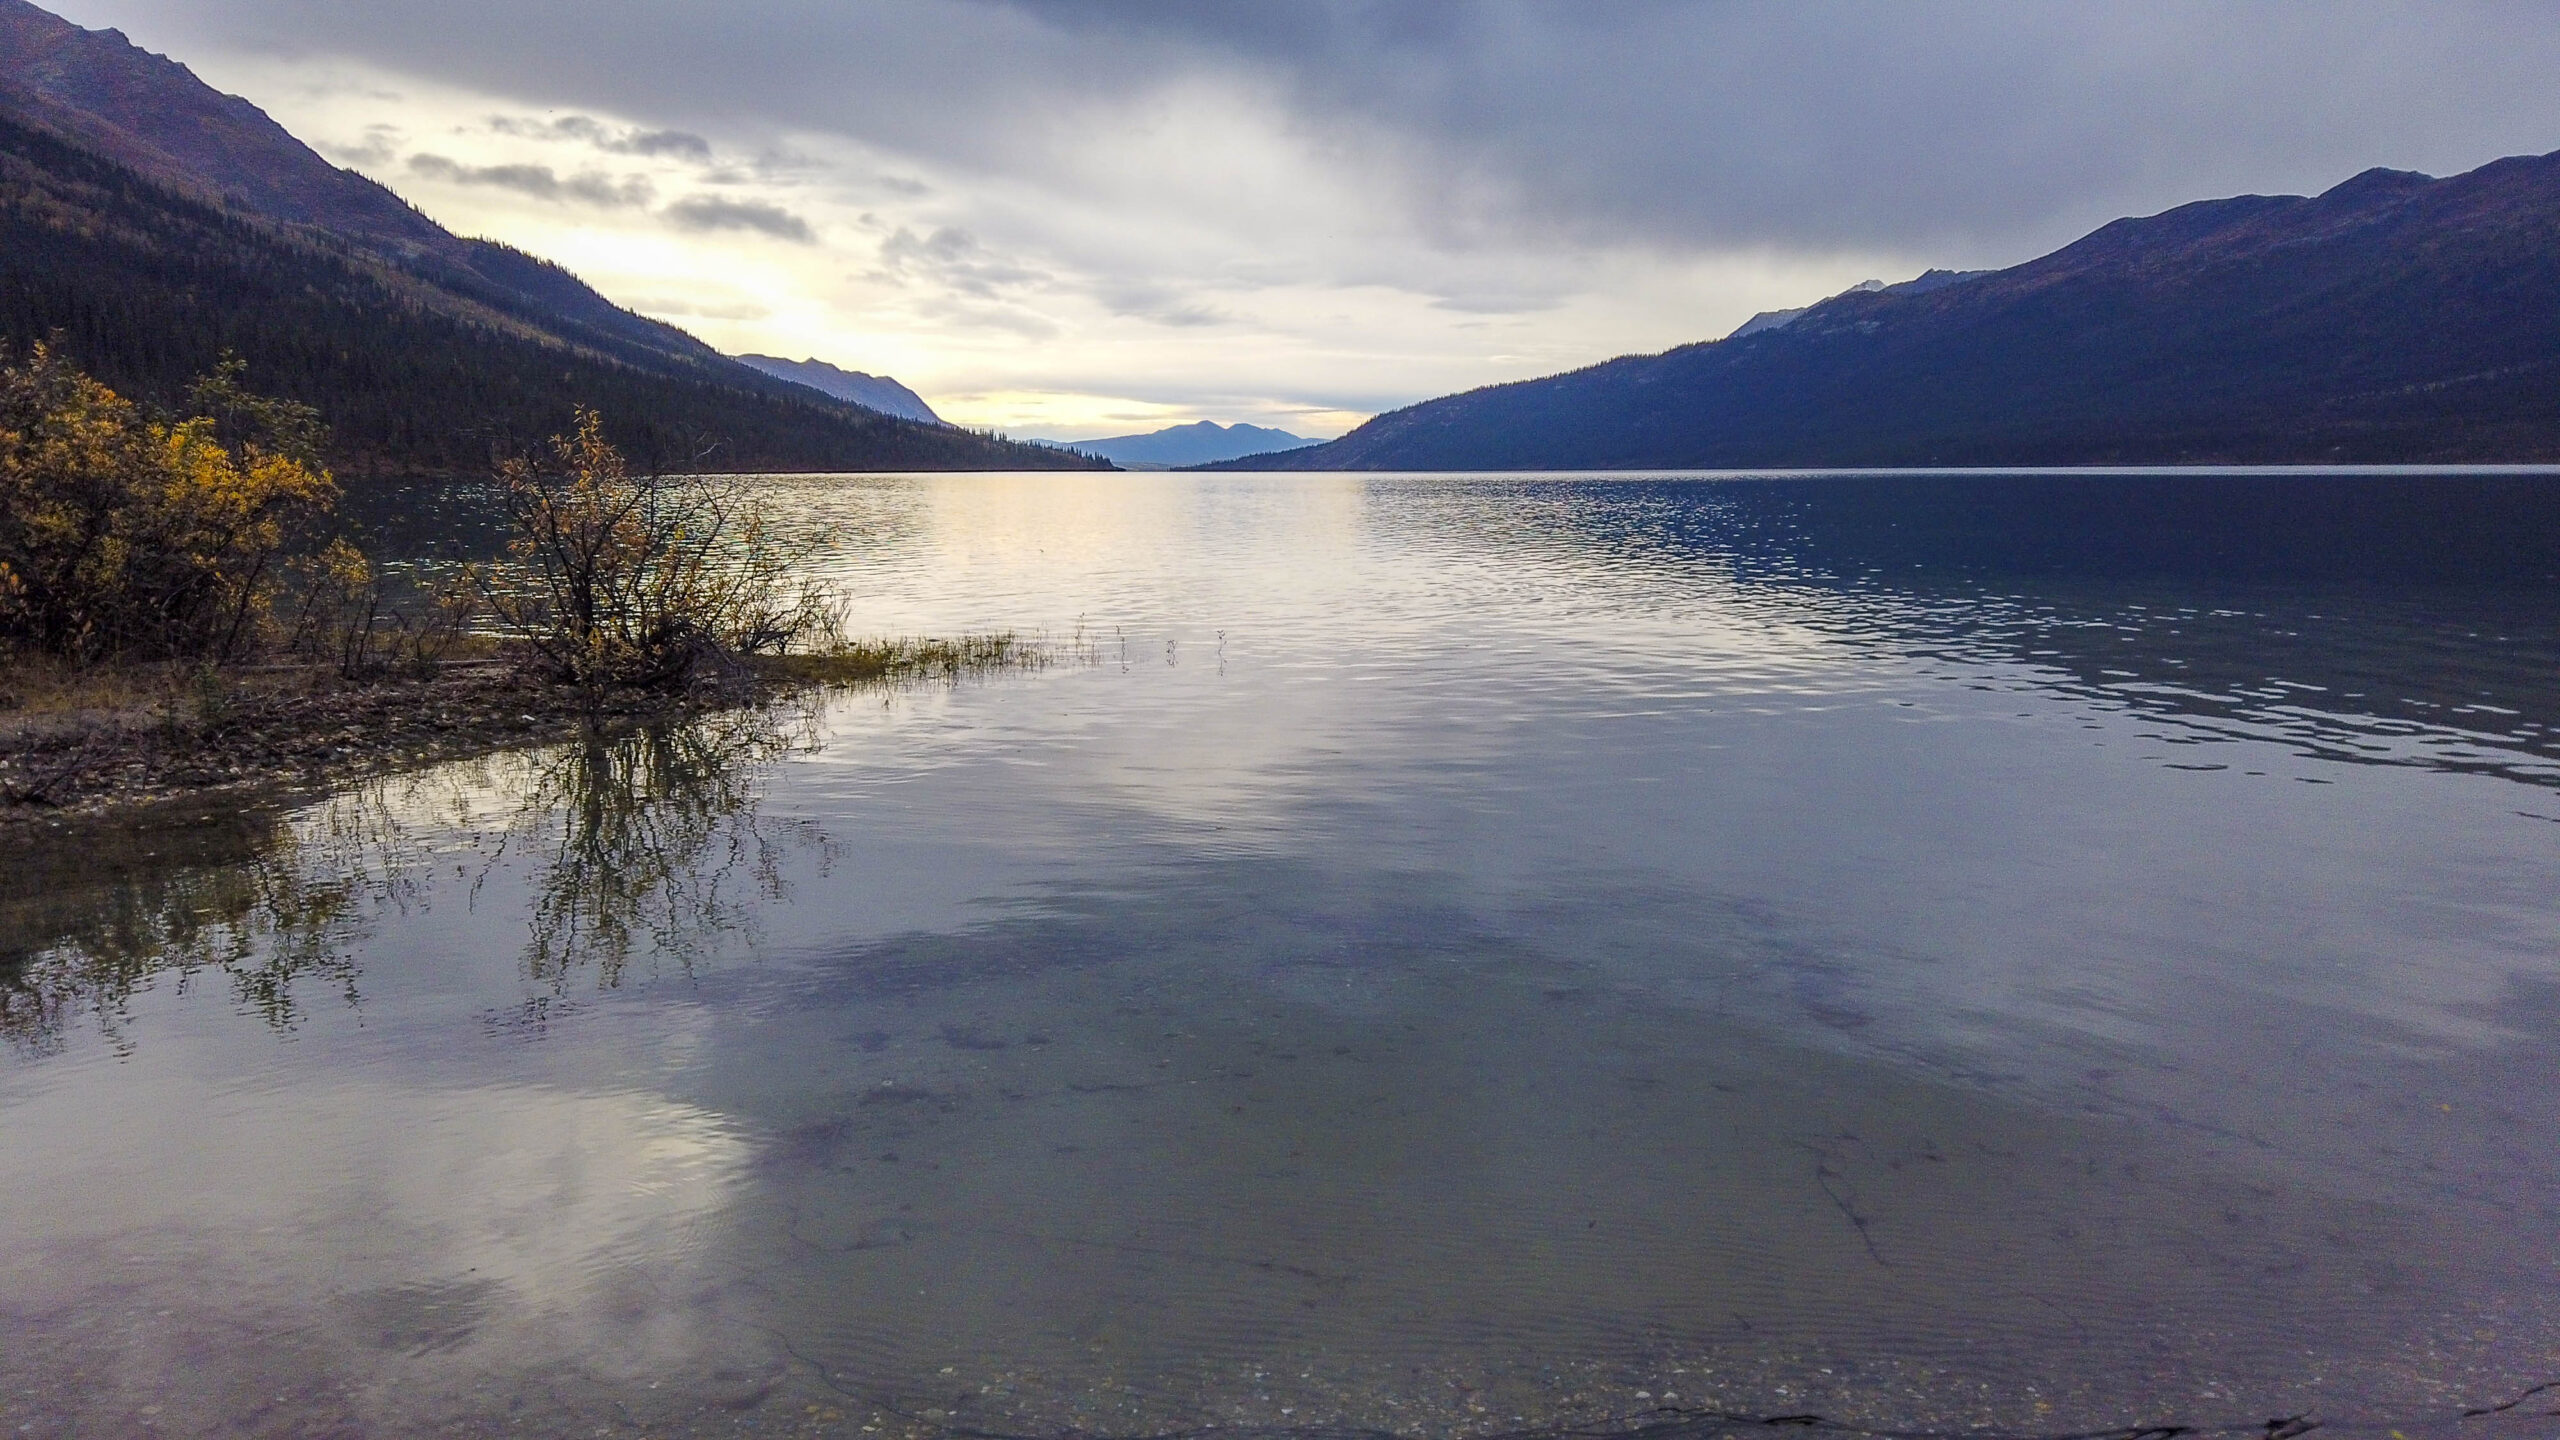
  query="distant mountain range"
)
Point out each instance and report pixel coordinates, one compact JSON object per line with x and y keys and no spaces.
{"x":1195,"y":444}
{"x":2395,"y":318}
{"x":154,"y":223}
{"x":871,"y":392}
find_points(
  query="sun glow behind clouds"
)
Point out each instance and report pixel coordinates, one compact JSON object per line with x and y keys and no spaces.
{"x":1297,"y":212}
{"x":1201,"y":261}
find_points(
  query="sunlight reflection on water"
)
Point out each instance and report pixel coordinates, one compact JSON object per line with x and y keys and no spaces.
{"x":1432,"y":952}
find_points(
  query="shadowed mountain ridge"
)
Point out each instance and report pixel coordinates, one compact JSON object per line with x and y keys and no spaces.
{"x":872,"y":392}
{"x":155,"y":223}
{"x":2393,"y":318}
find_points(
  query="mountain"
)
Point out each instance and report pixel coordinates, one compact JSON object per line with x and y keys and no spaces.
{"x":152,"y":114}
{"x":154,"y":223}
{"x":1776,"y":319}
{"x":1198,"y":443}
{"x":2394,"y":318}
{"x":1930,"y":280}
{"x":871,"y":392}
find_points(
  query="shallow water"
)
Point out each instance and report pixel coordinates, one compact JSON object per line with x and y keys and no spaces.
{"x":1431,"y":955}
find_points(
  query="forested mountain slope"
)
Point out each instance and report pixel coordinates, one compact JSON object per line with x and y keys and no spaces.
{"x":155,"y":223}
{"x":2395,"y":318}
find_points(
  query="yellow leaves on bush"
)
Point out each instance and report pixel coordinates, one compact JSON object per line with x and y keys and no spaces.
{"x":122,"y":534}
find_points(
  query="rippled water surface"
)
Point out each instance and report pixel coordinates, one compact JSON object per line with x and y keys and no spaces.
{"x":1439,"y":956}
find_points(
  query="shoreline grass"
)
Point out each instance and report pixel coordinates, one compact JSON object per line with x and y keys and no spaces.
{"x":84,"y":740}
{"x":869,"y":661}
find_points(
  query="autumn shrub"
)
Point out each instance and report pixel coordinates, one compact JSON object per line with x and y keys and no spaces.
{"x":624,"y":579}
{"x":126,"y":535}
{"x":346,"y":613}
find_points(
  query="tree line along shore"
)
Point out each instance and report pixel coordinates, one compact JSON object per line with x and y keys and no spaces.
{"x":182,"y":608}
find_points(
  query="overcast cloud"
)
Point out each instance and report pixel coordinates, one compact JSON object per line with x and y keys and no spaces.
{"x":1071,"y":215}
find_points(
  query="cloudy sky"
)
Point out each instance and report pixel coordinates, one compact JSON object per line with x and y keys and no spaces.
{"x":1084,"y":217}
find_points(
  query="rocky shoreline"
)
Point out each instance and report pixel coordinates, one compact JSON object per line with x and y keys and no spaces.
{"x":260,"y":729}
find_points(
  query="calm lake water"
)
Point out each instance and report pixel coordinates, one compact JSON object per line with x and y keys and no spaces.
{"x":1432,"y":955}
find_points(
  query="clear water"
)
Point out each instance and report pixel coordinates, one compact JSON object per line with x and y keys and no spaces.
{"x":1432,"y":956}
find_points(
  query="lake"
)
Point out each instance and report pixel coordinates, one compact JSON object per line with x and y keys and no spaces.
{"x":1427,"y":955}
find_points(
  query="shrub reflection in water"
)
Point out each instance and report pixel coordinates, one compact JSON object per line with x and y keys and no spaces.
{"x":636,"y":843}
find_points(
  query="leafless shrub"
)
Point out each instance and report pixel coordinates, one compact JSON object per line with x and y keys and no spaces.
{"x":346,"y":617}
{"x":654,"y":581}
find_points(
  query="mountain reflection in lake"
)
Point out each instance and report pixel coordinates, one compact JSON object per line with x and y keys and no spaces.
{"x":2043,"y":954}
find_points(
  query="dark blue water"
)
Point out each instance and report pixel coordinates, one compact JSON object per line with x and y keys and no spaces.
{"x":1430,"y":955}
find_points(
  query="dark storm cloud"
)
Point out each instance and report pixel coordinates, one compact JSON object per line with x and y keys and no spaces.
{"x":380,"y":145}
{"x":1874,"y":124}
{"x":681,"y":144}
{"x":1971,"y":130}
{"x":952,"y":259}
{"x":714,"y":212}
{"x":539,"y":181}
{"x":1163,"y":304}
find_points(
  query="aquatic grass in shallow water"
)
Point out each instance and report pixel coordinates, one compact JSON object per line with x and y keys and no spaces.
{"x":856,"y":662}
